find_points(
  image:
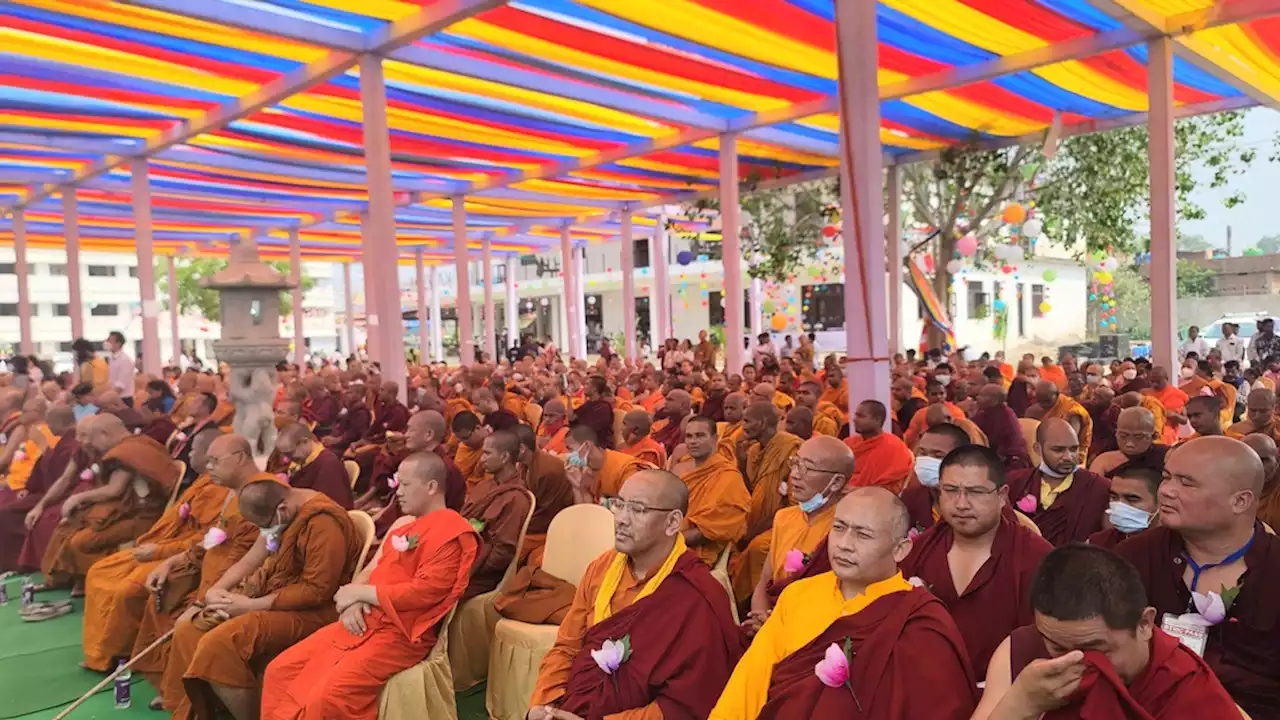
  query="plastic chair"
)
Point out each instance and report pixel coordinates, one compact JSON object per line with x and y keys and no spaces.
{"x":578,"y":535}
{"x":721,"y":573}
{"x":533,"y":414}
{"x":1029,"y":427}
{"x":471,"y":632}
{"x":365,"y":525}
{"x":353,"y":471}
{"x":424,"y":690}
{"x":1026,"y":522}
{"x":181,"y":469}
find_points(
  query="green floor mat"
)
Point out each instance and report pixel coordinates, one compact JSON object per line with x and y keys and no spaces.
{"x":39,"y":684}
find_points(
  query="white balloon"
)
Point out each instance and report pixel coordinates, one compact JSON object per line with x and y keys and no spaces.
{"x":1016,"y":253}
{"x":954,"y":266}
{"x":1032,"y":228}
{"x":1110,"y":264}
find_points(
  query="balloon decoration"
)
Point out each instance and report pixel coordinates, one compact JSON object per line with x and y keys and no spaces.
{"x":684,"y":257}
{"x":1014,"y":213}
{"x":830,"y":231}
{"x":778,"y":322}
{"x":1031,"y":229}
{"x":967,"y":245}
{"x":1050,"y":275}
{"x":1045,"y":308}
{"x":954,"y":266}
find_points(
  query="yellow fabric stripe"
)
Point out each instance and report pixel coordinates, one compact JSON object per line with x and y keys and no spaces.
{"x":601,"y":609}
{"x":582,"y":191}
{"x":501,"y":37}
{"x":1231,"y":48}
{"x":971,"y":115}
{"x":78,"y":125}
{"x":748,"y":149}
{"x":648,"y":182}
{"x":896,"y":139}
{"x":641,"y":163}
{"x":381,"y":9}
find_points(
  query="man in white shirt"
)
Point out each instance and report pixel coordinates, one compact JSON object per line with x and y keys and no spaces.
{"x":120,"y":369}
{"x":1194,"y":344}
{"x":1232,"y":346}
{"x":764,"y":346}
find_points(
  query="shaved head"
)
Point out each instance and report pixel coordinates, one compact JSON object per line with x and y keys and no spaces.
{"x":1046,"y":393}
{"x":1260,"y":408}
{"x":991,"y":395}
{"x":937,"y":414}
{"x":293,"y":434}
{"x":1265,"y":447}
{"x":799,"y":422}
{"x":638,"y":421}
{"x":831,"y":453}
{"x":679,"y":403}
{"x":259,"y":500}
{"x":1211,"y":488}
{"x":735,"y":403}
{"x":764,"y":411}
{"x":868,"y":538}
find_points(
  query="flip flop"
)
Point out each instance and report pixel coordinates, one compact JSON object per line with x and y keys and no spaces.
{"x":38,"y":607}
{"x":46,"y":611}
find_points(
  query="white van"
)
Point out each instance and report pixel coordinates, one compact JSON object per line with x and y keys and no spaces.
{"x":1247,"y":324}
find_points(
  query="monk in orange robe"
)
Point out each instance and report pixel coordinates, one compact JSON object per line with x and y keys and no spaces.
{"x":115,"y":588}
{"x":498,"y":510}
{"x":137,"y":476}
{"x":636,"y":426}
{"x":823,"y":467}
{"x":837,"y":390}
{"x":935,"y":394}
{"x":764,"y":456}
{"x":729,"y":431}
{"x":1260,"y":415}
{"x":1203,"y":380}
{"x":17,"y":504}
{"x":1173,"y":402}
{"x":1269,"y":501}
{"x":470,"y":435}
{"x":1053,"y":373}
{"x":827,"y":418}
{"x":389,"y":616}
{"x":312,"y":554}
{"x":553,"y":428}
{"x":25,"y":443}
{"x":1062,"y":406}
{"x":594,"y":472}
{"x":718,"y":499}
{"x":881,"y":458}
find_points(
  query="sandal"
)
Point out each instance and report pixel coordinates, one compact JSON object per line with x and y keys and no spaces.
{"x":39,"y":612}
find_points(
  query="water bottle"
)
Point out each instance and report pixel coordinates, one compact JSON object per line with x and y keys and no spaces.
{"x":4,"y":594}
{"x":28,"y":592}
{"x":123,"y":687}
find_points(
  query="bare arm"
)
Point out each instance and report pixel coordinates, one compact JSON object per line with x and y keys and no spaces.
{"x":115,"y":489}
{"x":760,"y":595}
{"x":251,"y":561}
{"x":16,"y":439}
{"x":997,"y":685}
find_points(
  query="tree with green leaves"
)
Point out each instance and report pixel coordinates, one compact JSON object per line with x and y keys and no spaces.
{"x":194,"y":296}
{"x":1269,"y":244}
{"x":1192,"y":242}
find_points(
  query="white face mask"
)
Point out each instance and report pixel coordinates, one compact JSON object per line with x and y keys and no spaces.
{"x":943,"y":379}
{"x":1046,"y":470}
{"x":1186,"y":373}
{"x":1130,"y":374}
{"x":927,"y":470}
{"x":1127,"y":518}
{"x":1093,"y":379}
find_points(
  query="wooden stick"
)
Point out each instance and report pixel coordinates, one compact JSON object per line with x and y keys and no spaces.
{"x":111,"y":678}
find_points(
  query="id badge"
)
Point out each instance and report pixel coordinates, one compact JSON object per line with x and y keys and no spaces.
{"x":1188,"y":633}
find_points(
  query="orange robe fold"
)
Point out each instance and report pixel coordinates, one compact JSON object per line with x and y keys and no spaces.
{"x":421,"y":572}
{"x":1171,"y":400}
{"x":1056,"y":375}
{"x":648,"y":450}
{"x":555,"y":441}
{"x":918,"y":423}
{"x":468,"y":461}
{"x":615,"y":470}
{"x":729,"y":434}
{"x":838,"y":396}
{"x":767,"y":470}
{"x":883,"y":460}
{"x":718,"y":506}
{"x":1063,"y":409}
{"x":794,"y":530}
{"x":827,"y":419}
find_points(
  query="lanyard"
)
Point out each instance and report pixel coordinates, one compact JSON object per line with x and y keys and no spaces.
{"x":1197,"y":569}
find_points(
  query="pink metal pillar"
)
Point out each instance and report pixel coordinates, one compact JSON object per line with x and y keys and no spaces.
{"x":466,"y":341}
{"x":862,"y":203}
{"x":660,"y":310}
{"x":731,"y":249}
{"x":26,"y":344}
{"x":757,"y":313}
{"x":628,"y":289}
{"x":381,"y":253}
{"x":146,"y":267}
{"x":580,"y":297}
{"x":572,"y":298}
{"x":490,"y":316}
{"x":71,"y":232}
{"x":1160,"y":149}
{"x":437,"y":331}
{"x":513,"y":303}
{"x":348,"y":293}
{"x":175,"y":337}
{"x":418,"y":264}
{"x":295,"y":277}
{"x":893,"y":238}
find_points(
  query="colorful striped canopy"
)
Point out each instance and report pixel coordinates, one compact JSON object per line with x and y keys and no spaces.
{"x":542,"y":112}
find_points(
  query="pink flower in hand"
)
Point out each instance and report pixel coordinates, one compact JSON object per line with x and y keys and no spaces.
{"x":400,"y":543}
{"x":184,"y":511}
{"x":1209,"y":607}
{"x":393,"y":482}
{"x":1027,"y":503}
{"x":913,"y":533}
{"x":795,"y":562}
{"x":833,"y":671}
{"x":19,"y":455}
{"x":213,"y":538}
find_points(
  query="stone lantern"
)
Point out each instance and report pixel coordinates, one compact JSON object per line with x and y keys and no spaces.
{"x":249,"y":298}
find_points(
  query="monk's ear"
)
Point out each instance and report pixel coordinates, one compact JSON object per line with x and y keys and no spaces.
{"x":1242,"y":501}
{"x":1146,"y":624}
{"x":902,"y":550}
{"x":1003,"y":492}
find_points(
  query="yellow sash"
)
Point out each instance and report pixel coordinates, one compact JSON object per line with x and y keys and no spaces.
{"x":613,"y":578}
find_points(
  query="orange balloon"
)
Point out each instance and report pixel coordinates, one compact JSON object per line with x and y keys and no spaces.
{"x":778,"y":322}
{"x":1014,"y":213}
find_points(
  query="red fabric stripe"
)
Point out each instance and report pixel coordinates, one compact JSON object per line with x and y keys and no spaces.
{"x":650,"y":58}
{"x":781,"y":17}
{"x":1266,"y":33}
{"x":124,"y":96}
{"x":1121,"y":67}
{"x":1031,"y":17}
{"x":892,"y":58}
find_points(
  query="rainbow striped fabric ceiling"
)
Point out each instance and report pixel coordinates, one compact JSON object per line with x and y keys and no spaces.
{"x":542,"y":112}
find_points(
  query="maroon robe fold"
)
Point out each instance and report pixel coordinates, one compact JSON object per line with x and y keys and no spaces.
{"x":597,"y":415}
{"x":14,"y":506}
{"x":909,"y":662}
{"x":1104,"y":430}
{"x":903,"y":417}
{"x":1108,"y":539}
{"x":328,"y":475}
{"x":1075,"y":515}
{"x":998,"y":598}
{"x":66,"y":451}
{"x":819,"y":562}
{"x":669,"y":435}
{"x":1021,"y":396}
{"x":920,"y":504}
{"x":1244,"y":651}
{"x":682,"y":666}
{"x":160,"y":429}
{"x":350,"y":428}
{"x":713,"y":407}
{"x":1004,"y":435}
{"x":505,"y":420}
{"x":387,"y":417}
{"x":1152,"y":458}
{"x":1176,"y":684}
{"x":322,"y":411}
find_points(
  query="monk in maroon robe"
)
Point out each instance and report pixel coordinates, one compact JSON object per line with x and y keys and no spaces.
{"x":425,"y":433}
{"x":921,"y":493}
{"x":1100,"y":402}
{"x":1000,"y":424}
{"x":978,"y":561}
{"x":596,"y":413}
{"x":389,"y":414}
{"x":1208,"y":519}
{"x":320,"y":409}
{"x":1066,"y":502}
{"x":313,"y":466}
{"x":499,"y":505}
{"x":353,"y":422}
{"x":16,"y":506}
{"x":1022,"y":390}
{"x":1085,"y":598}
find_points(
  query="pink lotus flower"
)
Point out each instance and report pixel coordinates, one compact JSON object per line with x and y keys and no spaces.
{"x":612,"y":654}
{"x":833,"y":670}
{"x":273,"y":544}
{"x":1027,"y":503}
{"x":393,"y":482}
{"x":184,"y":511}
{"x":1206,"y":392}
{"x":915,"y":581}
{"x":400,"y":543}
{"x":90,"y":472}
{"x":213,"y":537}
{"x":282,"y":477}
{"x":1210,"y":609}
{"x":181,"y":436}
{"x":913,"y":533}
{"x":19,"y":455}
{"x":794,"y":562}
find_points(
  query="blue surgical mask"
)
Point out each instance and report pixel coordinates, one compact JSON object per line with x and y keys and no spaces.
{"x":927,"y":470}
{"x":578,"y":460}
{"x":83,"y":411}
{"x":1127,"y":518}
{"x":813,"y":504}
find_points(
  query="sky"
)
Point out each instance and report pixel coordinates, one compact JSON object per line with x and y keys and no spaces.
{"x":1256,"y":216}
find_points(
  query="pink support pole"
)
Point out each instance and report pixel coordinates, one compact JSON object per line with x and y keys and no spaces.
{"x":572,"y":298}
{"x":348,"y":299}
{"x":660,"y":310}
{"x":146,"y":267}
{"x":295,"y":277}
{"x":71,"y":232}
{"x":175,"y":337}
{"x":367,"y":274}
{"x":512,"y":306}
{"x":437,"y":330}
{"x":1160,"y":149}
{"x":26,"y":345}
{"x":628,"y":288}
{"x":893,"y":238}
{"x":466,"y":342}
{"x":731,"y":248}
{"x":490,"y":315}
{"x":862,"y":203}
{"x":424,"y":347}
{"x":380,"y":243}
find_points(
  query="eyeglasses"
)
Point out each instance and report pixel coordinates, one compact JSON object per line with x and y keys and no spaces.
{"x":952,"y":491}
{"x":214,"y":460}
{"x":618,"y":506}
{"x":798,"y":463}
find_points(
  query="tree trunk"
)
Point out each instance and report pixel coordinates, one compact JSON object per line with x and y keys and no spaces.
{"x":946,"y":248}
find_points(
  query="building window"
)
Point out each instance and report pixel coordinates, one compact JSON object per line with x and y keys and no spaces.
{"x":104,"y":310}
{"x":102,"y":271}
{"x":824,"y":306}
{"x":64,"y":347}
{"x":1022,"y":320}
{"x":1037,"y":297}
{"x":58,"y":269}
{"x":715,"y":307}
{"x":8,"y":269}
{"x":61,"y":310}
{"x":8,"y":309}
{"x":978,"y":300}
{"x":641,"y":253}
{"x":133,"y":271}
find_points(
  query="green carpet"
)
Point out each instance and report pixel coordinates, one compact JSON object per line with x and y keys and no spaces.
{"x":40,"y":674}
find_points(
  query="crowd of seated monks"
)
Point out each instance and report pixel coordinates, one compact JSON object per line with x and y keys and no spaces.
{"x":993,"y":543}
